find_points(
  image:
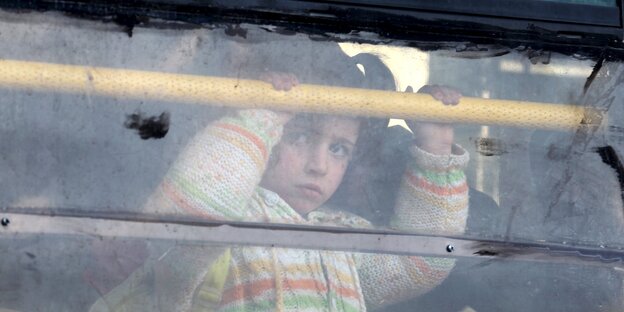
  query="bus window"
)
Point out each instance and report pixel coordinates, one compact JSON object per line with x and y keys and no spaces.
{"x":227,"y":166}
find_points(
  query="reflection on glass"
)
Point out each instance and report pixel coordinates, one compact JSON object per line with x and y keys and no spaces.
{"x":40,"y":265}
{"x":267,"y":166}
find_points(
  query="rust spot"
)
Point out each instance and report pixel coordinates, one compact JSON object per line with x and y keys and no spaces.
{"x":610,"y":157}
{"x":490,"y":147}
{"x":484,"y":252}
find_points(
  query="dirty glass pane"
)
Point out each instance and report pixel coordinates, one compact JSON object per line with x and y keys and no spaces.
{"x":170,"y":122}
{"x":544,"y":182}
{"x":82,"y":273}
{"x":116,"y":123}
{"x":129,"y":125}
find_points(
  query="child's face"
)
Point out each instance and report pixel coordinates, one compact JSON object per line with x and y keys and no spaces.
{"x":311,"y":160}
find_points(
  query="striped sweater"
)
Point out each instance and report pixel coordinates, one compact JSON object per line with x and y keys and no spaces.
{"x":217,"y":177}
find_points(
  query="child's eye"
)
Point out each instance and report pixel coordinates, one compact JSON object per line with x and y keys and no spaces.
{"x":340,"y":150}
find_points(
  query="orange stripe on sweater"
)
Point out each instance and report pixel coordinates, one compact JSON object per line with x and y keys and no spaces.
{"x":420,"y":194}
{"x":425,"y":269}
{"x":249,"y":135}
{"x":242,"y":143}
{"x":347,"y":292}
{"x":311,"y":284}
{"x":249,"y":290}
{"x":254,"y":289}
{"x":422,"y":183}
{"x":260,"y":265}
{"x":422,"y":266}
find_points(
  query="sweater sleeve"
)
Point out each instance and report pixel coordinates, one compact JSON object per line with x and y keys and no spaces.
{"x":214,"y":177}
{"x":217,"y":173}
{"x":433,"y":198}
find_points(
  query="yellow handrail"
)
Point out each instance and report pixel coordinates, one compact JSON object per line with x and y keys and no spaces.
{"x":146,"y":85}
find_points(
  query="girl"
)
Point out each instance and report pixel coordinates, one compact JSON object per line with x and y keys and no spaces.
{"x":265,"y":166}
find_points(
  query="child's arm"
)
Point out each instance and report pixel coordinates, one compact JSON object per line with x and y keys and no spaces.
{"x":217,"y":173}
{"x":433,"y":198}
{"x":214,"y":177}
{"x":435,"y":138}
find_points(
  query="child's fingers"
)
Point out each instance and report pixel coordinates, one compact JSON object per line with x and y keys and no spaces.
{"x":446,"y":95}
{"x":452,"y":96}
{"x":293,"y":79}
{"x":288,"y":81}
{"x":280,"y":81}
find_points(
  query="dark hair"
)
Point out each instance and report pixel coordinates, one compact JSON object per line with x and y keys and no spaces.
{"x":371,"y":182}
{"x":329,"y":65}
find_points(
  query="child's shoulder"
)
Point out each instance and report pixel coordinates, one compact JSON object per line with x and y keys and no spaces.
{"x":335,"y":217}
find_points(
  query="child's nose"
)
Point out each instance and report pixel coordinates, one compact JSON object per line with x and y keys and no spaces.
{"x":317,"y":160}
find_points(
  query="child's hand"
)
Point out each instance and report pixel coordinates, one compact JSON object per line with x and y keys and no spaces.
{"x":431,"y":137}
{"x":444,"y":94}
{"x":280,"y":81}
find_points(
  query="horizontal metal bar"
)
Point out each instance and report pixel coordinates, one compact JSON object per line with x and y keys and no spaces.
{"x":240,"y":93}
{"x":211,"y":233}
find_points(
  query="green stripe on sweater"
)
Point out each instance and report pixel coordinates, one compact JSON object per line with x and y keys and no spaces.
{"x":441,"y":178}
{"x":190,"y":190}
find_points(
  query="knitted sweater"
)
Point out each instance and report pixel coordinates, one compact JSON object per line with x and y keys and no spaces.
{"x":217,"y":177}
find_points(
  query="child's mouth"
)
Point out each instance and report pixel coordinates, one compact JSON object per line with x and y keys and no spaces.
{"x":311,"y":190}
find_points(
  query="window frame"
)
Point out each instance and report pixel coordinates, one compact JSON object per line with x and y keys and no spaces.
{"x":580,"y":29}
